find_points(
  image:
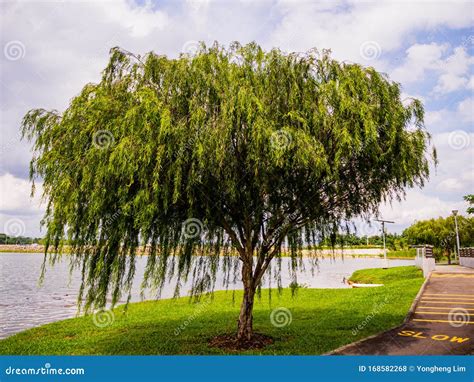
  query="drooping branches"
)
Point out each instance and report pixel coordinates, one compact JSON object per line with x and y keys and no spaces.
{"x":230,"y":153}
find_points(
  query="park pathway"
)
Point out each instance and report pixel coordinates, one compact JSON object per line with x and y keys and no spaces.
{"x":441,"y":322}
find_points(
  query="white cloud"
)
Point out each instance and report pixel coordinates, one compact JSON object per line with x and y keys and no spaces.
{"x":459,"y":185}
{"x":466,"y":109}
{"x":15,"y":196}
{"x":434,"y":117}
{"x":67,"y":43}
{"x":455,"y":147}
{"x":419,"y":206}
{"x":419,"y":59}
{"x":453,"y":178}
{"x":458,"y":63}
{"x":449,"y":82}
{"x":450,"y":184}
{"x":460,"y":118}
{"x":470,"y":84}
{"x":453,"y":71}
{"x":19,"y":213}
{"x":139,"y":20}
{"x":344,"y":26}
{"x":407,"y":98}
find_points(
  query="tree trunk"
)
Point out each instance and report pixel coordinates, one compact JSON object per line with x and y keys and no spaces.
{"x":245,"y":325}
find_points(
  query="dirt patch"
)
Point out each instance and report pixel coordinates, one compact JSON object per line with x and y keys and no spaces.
{"x":230,"y":342}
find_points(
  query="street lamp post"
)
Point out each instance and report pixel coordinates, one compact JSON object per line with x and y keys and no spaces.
{"x":455,"y":213}
{"x":383,"y":238}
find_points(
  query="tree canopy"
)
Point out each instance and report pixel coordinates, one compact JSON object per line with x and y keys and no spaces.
{"x":441,"y":233}
{"x":230,"y":153}
{"x":470,"y":199}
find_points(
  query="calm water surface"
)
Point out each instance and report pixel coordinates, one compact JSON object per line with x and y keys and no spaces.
{"x":24,"y":304}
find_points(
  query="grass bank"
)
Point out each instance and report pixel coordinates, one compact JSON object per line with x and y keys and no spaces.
{"x":402,"y":254}
{"x":317,"y":321}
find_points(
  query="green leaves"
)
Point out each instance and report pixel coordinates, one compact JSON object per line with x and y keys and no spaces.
{"x":265,"y":149}
{"x":470,"y":199}
{"x":441,"y":233}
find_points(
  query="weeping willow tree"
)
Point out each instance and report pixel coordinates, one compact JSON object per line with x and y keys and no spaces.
{"x":234,"y":154}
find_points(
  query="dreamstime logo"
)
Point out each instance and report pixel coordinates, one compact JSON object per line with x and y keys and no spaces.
{"x":192,"y":228}
{"x":280,"y":139}
{"x":103,"y":318}
{"x":191,"y":142}
{"x":236,"y":59}
{"x":458,"y":140}
{"x":279,"y":230}
{"x":14,"y":50}
{"x":103,"y":139}
{"x":14,"y":227}
{"x":467,"y":41}
{"x":45,"y":370}
{"x":375,"y":311}
{"x":447,"y":240}
{"x":191,"y":47}
{"x":196,"y":5}
{"x":281,"y":317}
{"x":201,"y":307}
{"x":367,"y":229}
{"x":106,"y":225}
{"x":370,"y":50}
{"x":458,"y":317}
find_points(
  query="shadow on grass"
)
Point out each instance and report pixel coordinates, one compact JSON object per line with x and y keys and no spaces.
{"x":311,"y":331}
{"x":314,"y":321}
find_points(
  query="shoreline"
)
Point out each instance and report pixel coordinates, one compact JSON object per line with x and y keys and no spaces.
{"x":146,"y":322}
{"x":352,"y":252}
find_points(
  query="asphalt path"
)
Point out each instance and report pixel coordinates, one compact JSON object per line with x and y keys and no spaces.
{"x":442,"y":322}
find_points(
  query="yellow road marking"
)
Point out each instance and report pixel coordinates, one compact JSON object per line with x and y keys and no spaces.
{"x":448,"y":297}
{"x":454,"y":312}
{"x":426,"y":320}
{"x":452,"y":275}
{"x":448,"y":294}
{"x":448,"y":302}
{"x":442,"y":307}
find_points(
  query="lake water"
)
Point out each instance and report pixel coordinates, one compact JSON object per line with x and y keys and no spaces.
{"x":24,"y":304}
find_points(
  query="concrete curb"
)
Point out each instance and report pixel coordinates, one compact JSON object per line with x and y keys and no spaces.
{"x":411,"y":311}
{"x":409,"y":315}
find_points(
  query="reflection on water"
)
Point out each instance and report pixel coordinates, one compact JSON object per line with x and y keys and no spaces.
{"x":24,"y":304}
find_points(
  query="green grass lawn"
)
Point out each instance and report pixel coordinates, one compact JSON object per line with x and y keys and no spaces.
{"x":402,"y":253}
{"x":321,"y":320}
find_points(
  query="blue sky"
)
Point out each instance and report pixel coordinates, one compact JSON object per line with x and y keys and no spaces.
{"x":51,"y":49}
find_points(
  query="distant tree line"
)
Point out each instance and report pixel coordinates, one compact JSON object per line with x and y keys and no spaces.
{"x":393,"y":241}
{"x":440,"y":233}
{"x":5,"y":239}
